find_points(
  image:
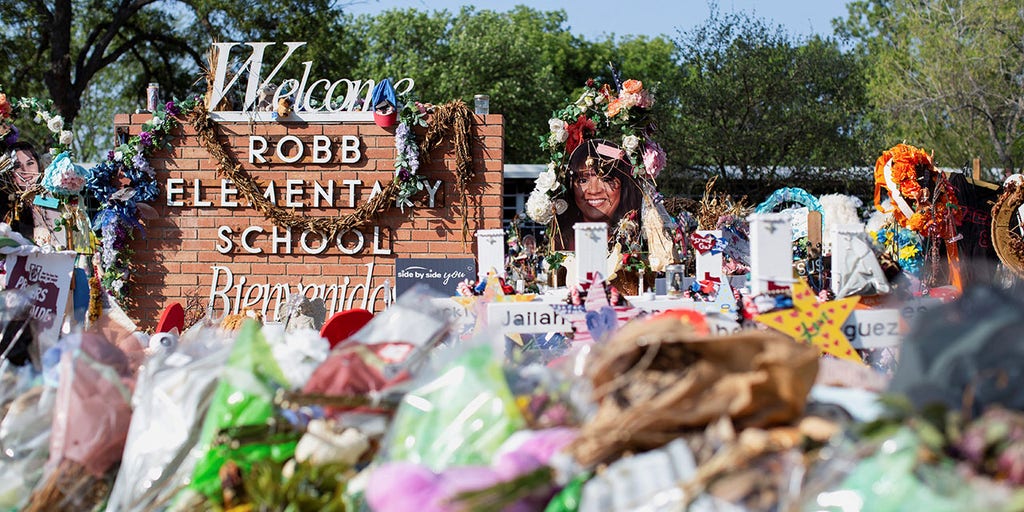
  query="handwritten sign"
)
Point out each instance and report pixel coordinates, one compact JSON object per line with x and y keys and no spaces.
{"x":442,"y":275}
{"x":46,"y":279}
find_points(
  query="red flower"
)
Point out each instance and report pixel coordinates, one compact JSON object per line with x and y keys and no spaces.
{"x":578,"y":132}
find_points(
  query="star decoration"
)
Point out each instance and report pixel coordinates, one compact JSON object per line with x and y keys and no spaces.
{"x":819,"y":324}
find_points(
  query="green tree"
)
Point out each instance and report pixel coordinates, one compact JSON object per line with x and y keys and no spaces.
{"x":754,"y":100}
{"x":945,"y":74}
{"x":107,"y":51}
{"x":525,"y":60}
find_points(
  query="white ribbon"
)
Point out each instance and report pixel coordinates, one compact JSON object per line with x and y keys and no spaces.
{"x":894,"y":191}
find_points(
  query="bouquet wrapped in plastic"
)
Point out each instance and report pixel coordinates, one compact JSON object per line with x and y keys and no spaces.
{"x":90,"y":424}
{"x":175,"y":389}
{"x":244,"y":398}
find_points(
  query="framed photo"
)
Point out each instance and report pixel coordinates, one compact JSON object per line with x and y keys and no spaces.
{"x":674,"y":282}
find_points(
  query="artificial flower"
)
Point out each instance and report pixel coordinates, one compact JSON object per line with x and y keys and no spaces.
{"x":908,"y":252}
{"x":558,"y":130}
{"x":171,"y":108}
{"x":578,"y":132}
{"x":547,"y":181}
{"x":55,"y":124}
{"x":538,"y":207}
{"x":632,"y":86}
{"x":630,"y":143}
{"x":654,"y":159}
{"x":62,"y":177}
{"x":614,"y":107}
{"x":65,"y":137}
{"x":145,"y":139}
{"x":5,"y":107}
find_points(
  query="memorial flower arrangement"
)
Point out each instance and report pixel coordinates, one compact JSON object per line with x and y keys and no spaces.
{"x":122,"y":185}
{"x":923,"y":201}
{"x":407,"y":151}
{"x":621,"y":115}
{"x":901,"y":171}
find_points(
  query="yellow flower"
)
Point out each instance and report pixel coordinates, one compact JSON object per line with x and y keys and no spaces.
{"x":908,"y":252}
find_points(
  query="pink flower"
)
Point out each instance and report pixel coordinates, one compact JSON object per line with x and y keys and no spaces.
{"x":654,"y":159}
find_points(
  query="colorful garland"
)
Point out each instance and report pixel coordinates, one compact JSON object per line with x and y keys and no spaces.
{"x":118,"y":216}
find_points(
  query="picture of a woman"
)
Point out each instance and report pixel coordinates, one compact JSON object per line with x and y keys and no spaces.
{"x":602,"y":187}
{"x":24,"y":175}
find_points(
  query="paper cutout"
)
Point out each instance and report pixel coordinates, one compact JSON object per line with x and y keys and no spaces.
{"x":819,"y":324}
{"x":707,"y":243}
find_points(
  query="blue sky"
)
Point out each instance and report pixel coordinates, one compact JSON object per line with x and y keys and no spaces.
{"x":595,"y":18}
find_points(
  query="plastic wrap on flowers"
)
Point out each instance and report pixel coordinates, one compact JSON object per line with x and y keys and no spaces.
{"x":174,"y":392}
{"x":458,"y":417}
{"x":518,"y":479}
{"x":888,"y":475}
{"x":244,"y":397}
{"x":90,"y":424}
{"x":25,"y":436}
{"x":387,"y":350}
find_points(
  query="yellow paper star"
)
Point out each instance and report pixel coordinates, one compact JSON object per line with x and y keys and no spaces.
{"x":819,"y":324}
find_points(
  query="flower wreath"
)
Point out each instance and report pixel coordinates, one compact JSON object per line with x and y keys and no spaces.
{"x":119,"y":210}
{"x":622,"y":116}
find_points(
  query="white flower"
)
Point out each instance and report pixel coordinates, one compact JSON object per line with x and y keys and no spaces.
{"x":65,"y":137}
{"x":118,"y":156}
{"x":39,"y":117}
{"x":55,"y":124}
{"x":546,"y":181}
{"x":117,"y":284}
{"x":630,"y":143}
{"x":157,"y":122}
{"x":558,"y":131}
{"x":538,"y":207}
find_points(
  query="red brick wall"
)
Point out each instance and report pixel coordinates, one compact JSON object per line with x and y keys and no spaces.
{"x":180,"y":249}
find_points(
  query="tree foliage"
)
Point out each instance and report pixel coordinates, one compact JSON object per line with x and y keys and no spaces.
{"x":945,"y":74}
{"x":752,"y":101}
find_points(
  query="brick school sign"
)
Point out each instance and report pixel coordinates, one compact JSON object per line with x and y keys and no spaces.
{"x":208,"y":241}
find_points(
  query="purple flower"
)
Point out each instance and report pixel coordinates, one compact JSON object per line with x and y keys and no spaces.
{"x":404,"y":175}
{"x":12,"y":137}
{"x":172,"y":109}
{"x":146,"y":139}
{"x":110,"y":155}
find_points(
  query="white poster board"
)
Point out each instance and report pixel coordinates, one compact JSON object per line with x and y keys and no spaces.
{"x":591,"y":249}
{"x":490,"y":252}
{"x":709,"y":260}
{"x":771,"y":251}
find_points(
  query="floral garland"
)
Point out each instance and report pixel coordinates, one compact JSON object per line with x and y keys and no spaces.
{"x":42,"y":112}
{"x":599,"y":111}
{"x":119,"y":213}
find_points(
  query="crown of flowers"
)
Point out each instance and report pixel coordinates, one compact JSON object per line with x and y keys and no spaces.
{"x":621,"y":115}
